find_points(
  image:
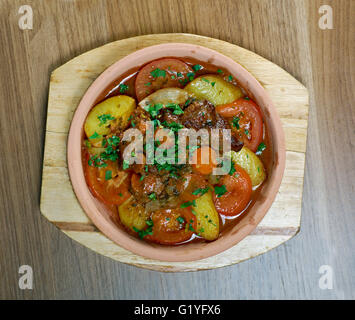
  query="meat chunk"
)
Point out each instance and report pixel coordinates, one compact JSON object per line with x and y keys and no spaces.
{"x":198,"y":115}
{"x":202,"y":114}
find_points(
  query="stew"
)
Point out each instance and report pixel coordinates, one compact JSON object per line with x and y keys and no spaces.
{"x":133,"y":159}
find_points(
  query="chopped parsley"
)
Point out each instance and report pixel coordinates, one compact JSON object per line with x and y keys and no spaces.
{"x":230,"y":78}
{"x":125,"y":164}
{"x":246,"y":98}
{"x":175,"y":107}
{"x":261,"y":148}
{"x":104,"y":118}
{"x":206,"y":80}
{"x":190,"y":75}
{"x":87,"y":143}
{"x":219,"y":71}
{"x":200,"y":191}
{"x":95,"y":136}
{"x":180,"y":219}
{"x":232,"y":170}
{"x":108,"y":175}
{"x":153,"y":110}
{"x":96,"y":161}
{"x":148,"y":84}
{"x":173,"y":126}
{"x":110,"y":152}
{"x":123,"y":88}
{"x":145,"y":232}
{"x":235,"y":122}
{"x":188,"y":204}
{"x":152,"y":196}
{"x":220,"y":190}
{"x":158,"y":73}
{"x":197,"y":67}
{"x":113,"y":141}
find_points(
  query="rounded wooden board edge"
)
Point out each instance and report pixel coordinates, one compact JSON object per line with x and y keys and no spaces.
{"x":144,"y":41}
{"x":221,"y":260}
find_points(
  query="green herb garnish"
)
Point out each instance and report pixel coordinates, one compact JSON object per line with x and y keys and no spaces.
{"x":153,"y":110}
{"x":145,"y":232}
{"x":108,"y":175}
{"x":123,"y":88}
{"x":158,"y":73}
{"x":180,"y":220}
{"x":220,"y":190}
{"x":152,"y":196}
{"x":188,"y":204}
{"x":200,"y":191}
{"x":95,"y":136}
{"x":190,"y":75}
{"x":235,"y":122}
{"x":104,"y":118}
{"x":261,"y":148}
{"x":197,"y":67}
{"x":87,"y":143}
{"x":175,"y":107}
{"x":125,"y":164}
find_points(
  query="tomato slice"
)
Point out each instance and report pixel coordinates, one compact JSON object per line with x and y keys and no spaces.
{"x":172,"y":226}
{"x":247,"y":121}
{"x":113,"y":191}
{"x":162,"y":73}
{"x":238,"y":192}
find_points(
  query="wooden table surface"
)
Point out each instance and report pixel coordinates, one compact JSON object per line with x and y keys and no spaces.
{"x":283,"y":31}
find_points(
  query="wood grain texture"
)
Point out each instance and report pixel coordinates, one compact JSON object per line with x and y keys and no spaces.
{"x":68,"y":84}
{"x":283,"y":31}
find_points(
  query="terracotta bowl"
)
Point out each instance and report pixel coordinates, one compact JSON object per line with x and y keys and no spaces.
{"x":100,"y":215}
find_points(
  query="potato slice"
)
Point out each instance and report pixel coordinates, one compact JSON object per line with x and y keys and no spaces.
{"x":133,"y":215}
{"x":251,"y":163}
{"x":118,"y":107}
{"x":95,"y":151}
{"x":207,"y":217}
{"x":214,"y":89}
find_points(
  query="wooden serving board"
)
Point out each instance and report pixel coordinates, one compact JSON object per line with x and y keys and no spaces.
{"x":68,"y":84}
